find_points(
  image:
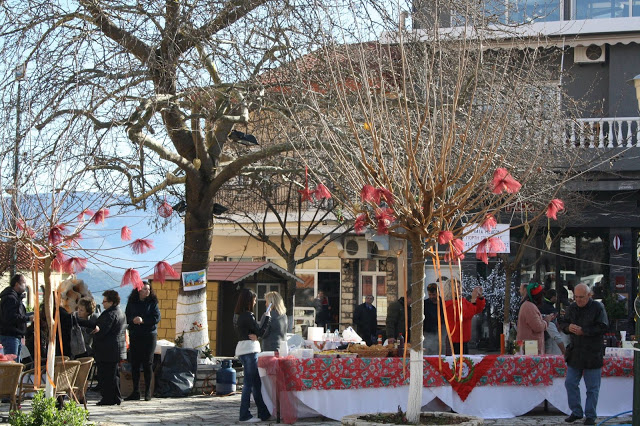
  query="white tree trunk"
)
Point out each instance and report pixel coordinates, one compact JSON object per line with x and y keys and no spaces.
{"x":414,"y":404}
{"x":191,"y":318}
{"x":51,"y":362}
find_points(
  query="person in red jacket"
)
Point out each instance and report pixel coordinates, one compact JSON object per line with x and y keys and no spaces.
{"x":452,"y":309}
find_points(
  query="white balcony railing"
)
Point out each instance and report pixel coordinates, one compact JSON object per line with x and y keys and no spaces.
{"x":618,"y":132}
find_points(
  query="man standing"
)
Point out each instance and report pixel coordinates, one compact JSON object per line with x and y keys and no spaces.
{"x":395,"y":319}
{"x":14,"y":316}
{"x":586,"y":322}
{"x":366,"y":320}
{"x":430,"y":326}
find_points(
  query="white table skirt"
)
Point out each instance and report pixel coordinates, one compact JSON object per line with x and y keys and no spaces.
{"x":490,"y":402}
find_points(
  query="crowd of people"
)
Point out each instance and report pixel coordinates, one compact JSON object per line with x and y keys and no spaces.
{"x":103,"y":335}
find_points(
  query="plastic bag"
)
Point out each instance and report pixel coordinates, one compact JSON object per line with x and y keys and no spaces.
{"x":177,"y":373}
{"x":350,"y":335}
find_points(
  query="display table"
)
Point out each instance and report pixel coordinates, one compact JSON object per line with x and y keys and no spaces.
{"x":491,"y":386}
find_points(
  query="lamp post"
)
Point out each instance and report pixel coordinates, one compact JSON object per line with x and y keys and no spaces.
{"x":19,"y":74}
{"x":635,"y":82}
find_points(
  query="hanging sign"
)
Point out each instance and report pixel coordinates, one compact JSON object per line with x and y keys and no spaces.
{"x":478,"y":234}
{"x":194,"y":280}
{"x":617,"y":243}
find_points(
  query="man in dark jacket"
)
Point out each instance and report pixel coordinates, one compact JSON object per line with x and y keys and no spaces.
{"x":110,"y":347}
{"x":434,"y":342}
{"x":586,"y":322}
{"x":395,"y":319}
{"x":13,"y":316}
{"x":365,"y":319}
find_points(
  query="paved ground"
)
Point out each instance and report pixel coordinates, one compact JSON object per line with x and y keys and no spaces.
{"x":213,"y":410}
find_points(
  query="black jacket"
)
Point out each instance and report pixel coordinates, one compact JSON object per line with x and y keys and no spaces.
{"x":395,"y":319}
{"x":585,"y":351}
{"x":430,"y":324}
{"x":246,"y":324}
{"x":109,"y":343}
{"x":146,"y":309}
{"x":13,"y":314}
{"x":366,"y":321}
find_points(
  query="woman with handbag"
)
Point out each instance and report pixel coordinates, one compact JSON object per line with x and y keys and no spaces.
{"x":143,"y":316}
{"x":85,"y":317}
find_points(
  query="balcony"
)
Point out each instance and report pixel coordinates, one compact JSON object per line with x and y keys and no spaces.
{"x":607,"y":132}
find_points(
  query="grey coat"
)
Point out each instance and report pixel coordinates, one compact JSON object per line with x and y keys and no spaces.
{"x":275,"y":334}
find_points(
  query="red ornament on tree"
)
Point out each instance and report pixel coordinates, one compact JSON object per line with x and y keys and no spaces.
{"x":503,"y":181}
{"x":100,"y":216}
{"x":162,"y":270}
{"x":141,"y":245}
{"x":73,"y":265}
{"x":125,"y":233}
{"x":131,"y":276}
{"x":165,"y":210}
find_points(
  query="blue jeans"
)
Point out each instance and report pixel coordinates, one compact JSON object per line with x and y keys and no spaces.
{"x":252,"y":385}
{"x":11,"y":346}
{"x":592,"y":383}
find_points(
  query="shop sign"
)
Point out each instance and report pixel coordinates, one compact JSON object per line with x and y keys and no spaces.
{"x":478,"y":233}
{"x":620,"y":283}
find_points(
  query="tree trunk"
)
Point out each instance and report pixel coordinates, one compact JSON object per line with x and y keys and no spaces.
{"x":290,"y":290}
{"x":507,"y":302}
{"x":191,"y":308}
{"x":414,"y":404}
{"x":48,"y":312}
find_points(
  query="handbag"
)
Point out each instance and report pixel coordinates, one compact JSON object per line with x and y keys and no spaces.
{"x":77,"y":338}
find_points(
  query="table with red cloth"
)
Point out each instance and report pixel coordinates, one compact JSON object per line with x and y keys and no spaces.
{"x":491,"y":386}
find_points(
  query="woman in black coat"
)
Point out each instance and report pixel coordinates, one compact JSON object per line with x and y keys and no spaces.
{"x":109,"y":347}
{"x":247,"y":349}
{"x":143,"y":316}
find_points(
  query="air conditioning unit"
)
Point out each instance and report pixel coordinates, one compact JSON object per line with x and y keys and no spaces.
{"x":592,"y":54}
{"x":355,"y":248}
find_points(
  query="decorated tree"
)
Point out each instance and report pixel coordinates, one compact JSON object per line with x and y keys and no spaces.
{"x":431,"y":134}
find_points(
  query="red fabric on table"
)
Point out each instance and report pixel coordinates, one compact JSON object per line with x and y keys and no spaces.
{"x":284,"y":401}
{"x":465,"y":384}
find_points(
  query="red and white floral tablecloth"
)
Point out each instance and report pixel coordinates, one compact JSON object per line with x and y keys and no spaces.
{"x":327,"y":386}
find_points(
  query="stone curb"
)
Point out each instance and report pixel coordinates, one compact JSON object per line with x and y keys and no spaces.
{"x":353,"y":420}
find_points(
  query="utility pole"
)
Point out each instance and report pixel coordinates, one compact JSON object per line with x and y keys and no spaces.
{"x":19,"y":74}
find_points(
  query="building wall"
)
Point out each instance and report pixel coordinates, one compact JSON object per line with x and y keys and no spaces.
{"x":167,"y":297}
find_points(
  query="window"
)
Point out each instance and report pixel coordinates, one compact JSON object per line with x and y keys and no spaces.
{"x":599,"y":9}
{"x":261,"y":290}
{"x":373,"y":281}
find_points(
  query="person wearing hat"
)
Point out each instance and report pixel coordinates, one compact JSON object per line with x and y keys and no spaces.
{"x":531,"y":323}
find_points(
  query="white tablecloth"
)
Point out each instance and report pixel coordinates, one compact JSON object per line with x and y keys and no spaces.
{"x":491,"y":402}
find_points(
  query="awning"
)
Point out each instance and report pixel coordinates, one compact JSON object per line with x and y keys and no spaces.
{"x":237,"y":271}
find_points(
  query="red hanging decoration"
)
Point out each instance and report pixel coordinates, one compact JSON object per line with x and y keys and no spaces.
{"x":554,"y":207}
{"x":131,"y":276}
{"x":495,"y":246}
{"x":162,"y":270}
{"x":125,"y":233}
{"x":368,"y":194}
{"x":385,"y":216}
{"x":489,"y":223}
{"x":141,"y":245}
{"x":444,"y":237}
{"x":503,"y":181}
{"x":21,"y":225}
{"x":360,"y":223}
{"x":100,"y":216}
{"x":321,"y":192}
{"x":55,"y":236}
{"x":57,"y":264}
{"x":455,"y":251}
{"x":306,"y":192}
{"x":73,"y":265}
{"x":481,"y":252}
{"x":386,"y":195}
{"x":84,"y":212}
{"x":165,"y":210}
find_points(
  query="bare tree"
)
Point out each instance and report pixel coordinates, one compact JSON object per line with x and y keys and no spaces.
{"x":431,"y":135}
{"x":143,"y":95}
{"x":294,"y":217}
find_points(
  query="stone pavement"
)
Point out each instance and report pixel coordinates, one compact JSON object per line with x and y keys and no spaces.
{"x":214,"y":410}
